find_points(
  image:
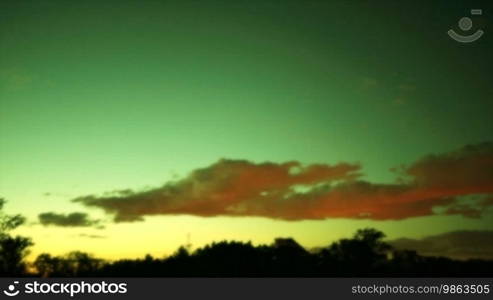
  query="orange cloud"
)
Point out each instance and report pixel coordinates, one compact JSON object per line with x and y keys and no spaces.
{"x":228,"y":187}
{"x":291,"y":191}
{"x":468,"y":170}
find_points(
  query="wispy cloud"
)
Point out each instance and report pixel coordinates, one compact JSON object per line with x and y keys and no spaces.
{"x":15,"y":79}
{"x":458,"y":244}
{"x":368,"y":83}
{"x":406,"y":87}
{"x":91,"y":236}
{"x":436,"y":184}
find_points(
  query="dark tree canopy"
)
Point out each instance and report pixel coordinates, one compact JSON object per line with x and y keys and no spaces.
{"x":365,"y":254}
{"x":13,"y":249}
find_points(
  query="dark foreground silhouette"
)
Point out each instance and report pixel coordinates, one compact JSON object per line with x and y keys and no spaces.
{"x":366,"y":254}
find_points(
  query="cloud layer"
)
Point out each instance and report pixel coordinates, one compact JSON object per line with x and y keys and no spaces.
{"x":457,"y":244}
{"x":75,"y":219}
{"x":455,"y":183}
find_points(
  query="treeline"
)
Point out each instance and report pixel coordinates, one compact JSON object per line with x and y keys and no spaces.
{"x":366,"y":254}
{"x":13,"y":249}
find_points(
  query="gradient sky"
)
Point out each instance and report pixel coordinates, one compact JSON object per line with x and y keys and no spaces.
{"x":98,"y":96}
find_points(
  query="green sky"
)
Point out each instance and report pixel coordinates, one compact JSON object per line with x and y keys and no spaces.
{"x":97,"y":96}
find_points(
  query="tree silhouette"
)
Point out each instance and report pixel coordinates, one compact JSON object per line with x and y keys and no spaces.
{"x":365,"y":251}
{"x":73,"y":264}
{"x":365,"y":254}
{"x":46,"y":265}
{"x":13,"y":249}
{"x":290,"y":258}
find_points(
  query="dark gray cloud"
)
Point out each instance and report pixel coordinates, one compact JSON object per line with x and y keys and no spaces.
{"x":458,"y":244}
{"x":75,"y":219}
{"x":436,"y":184}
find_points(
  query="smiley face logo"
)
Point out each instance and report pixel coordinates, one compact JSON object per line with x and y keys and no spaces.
{"x":11,"y":291}
{"x":465,"y":24}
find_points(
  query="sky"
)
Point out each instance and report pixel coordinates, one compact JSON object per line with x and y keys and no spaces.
{"x":136,"y":127}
